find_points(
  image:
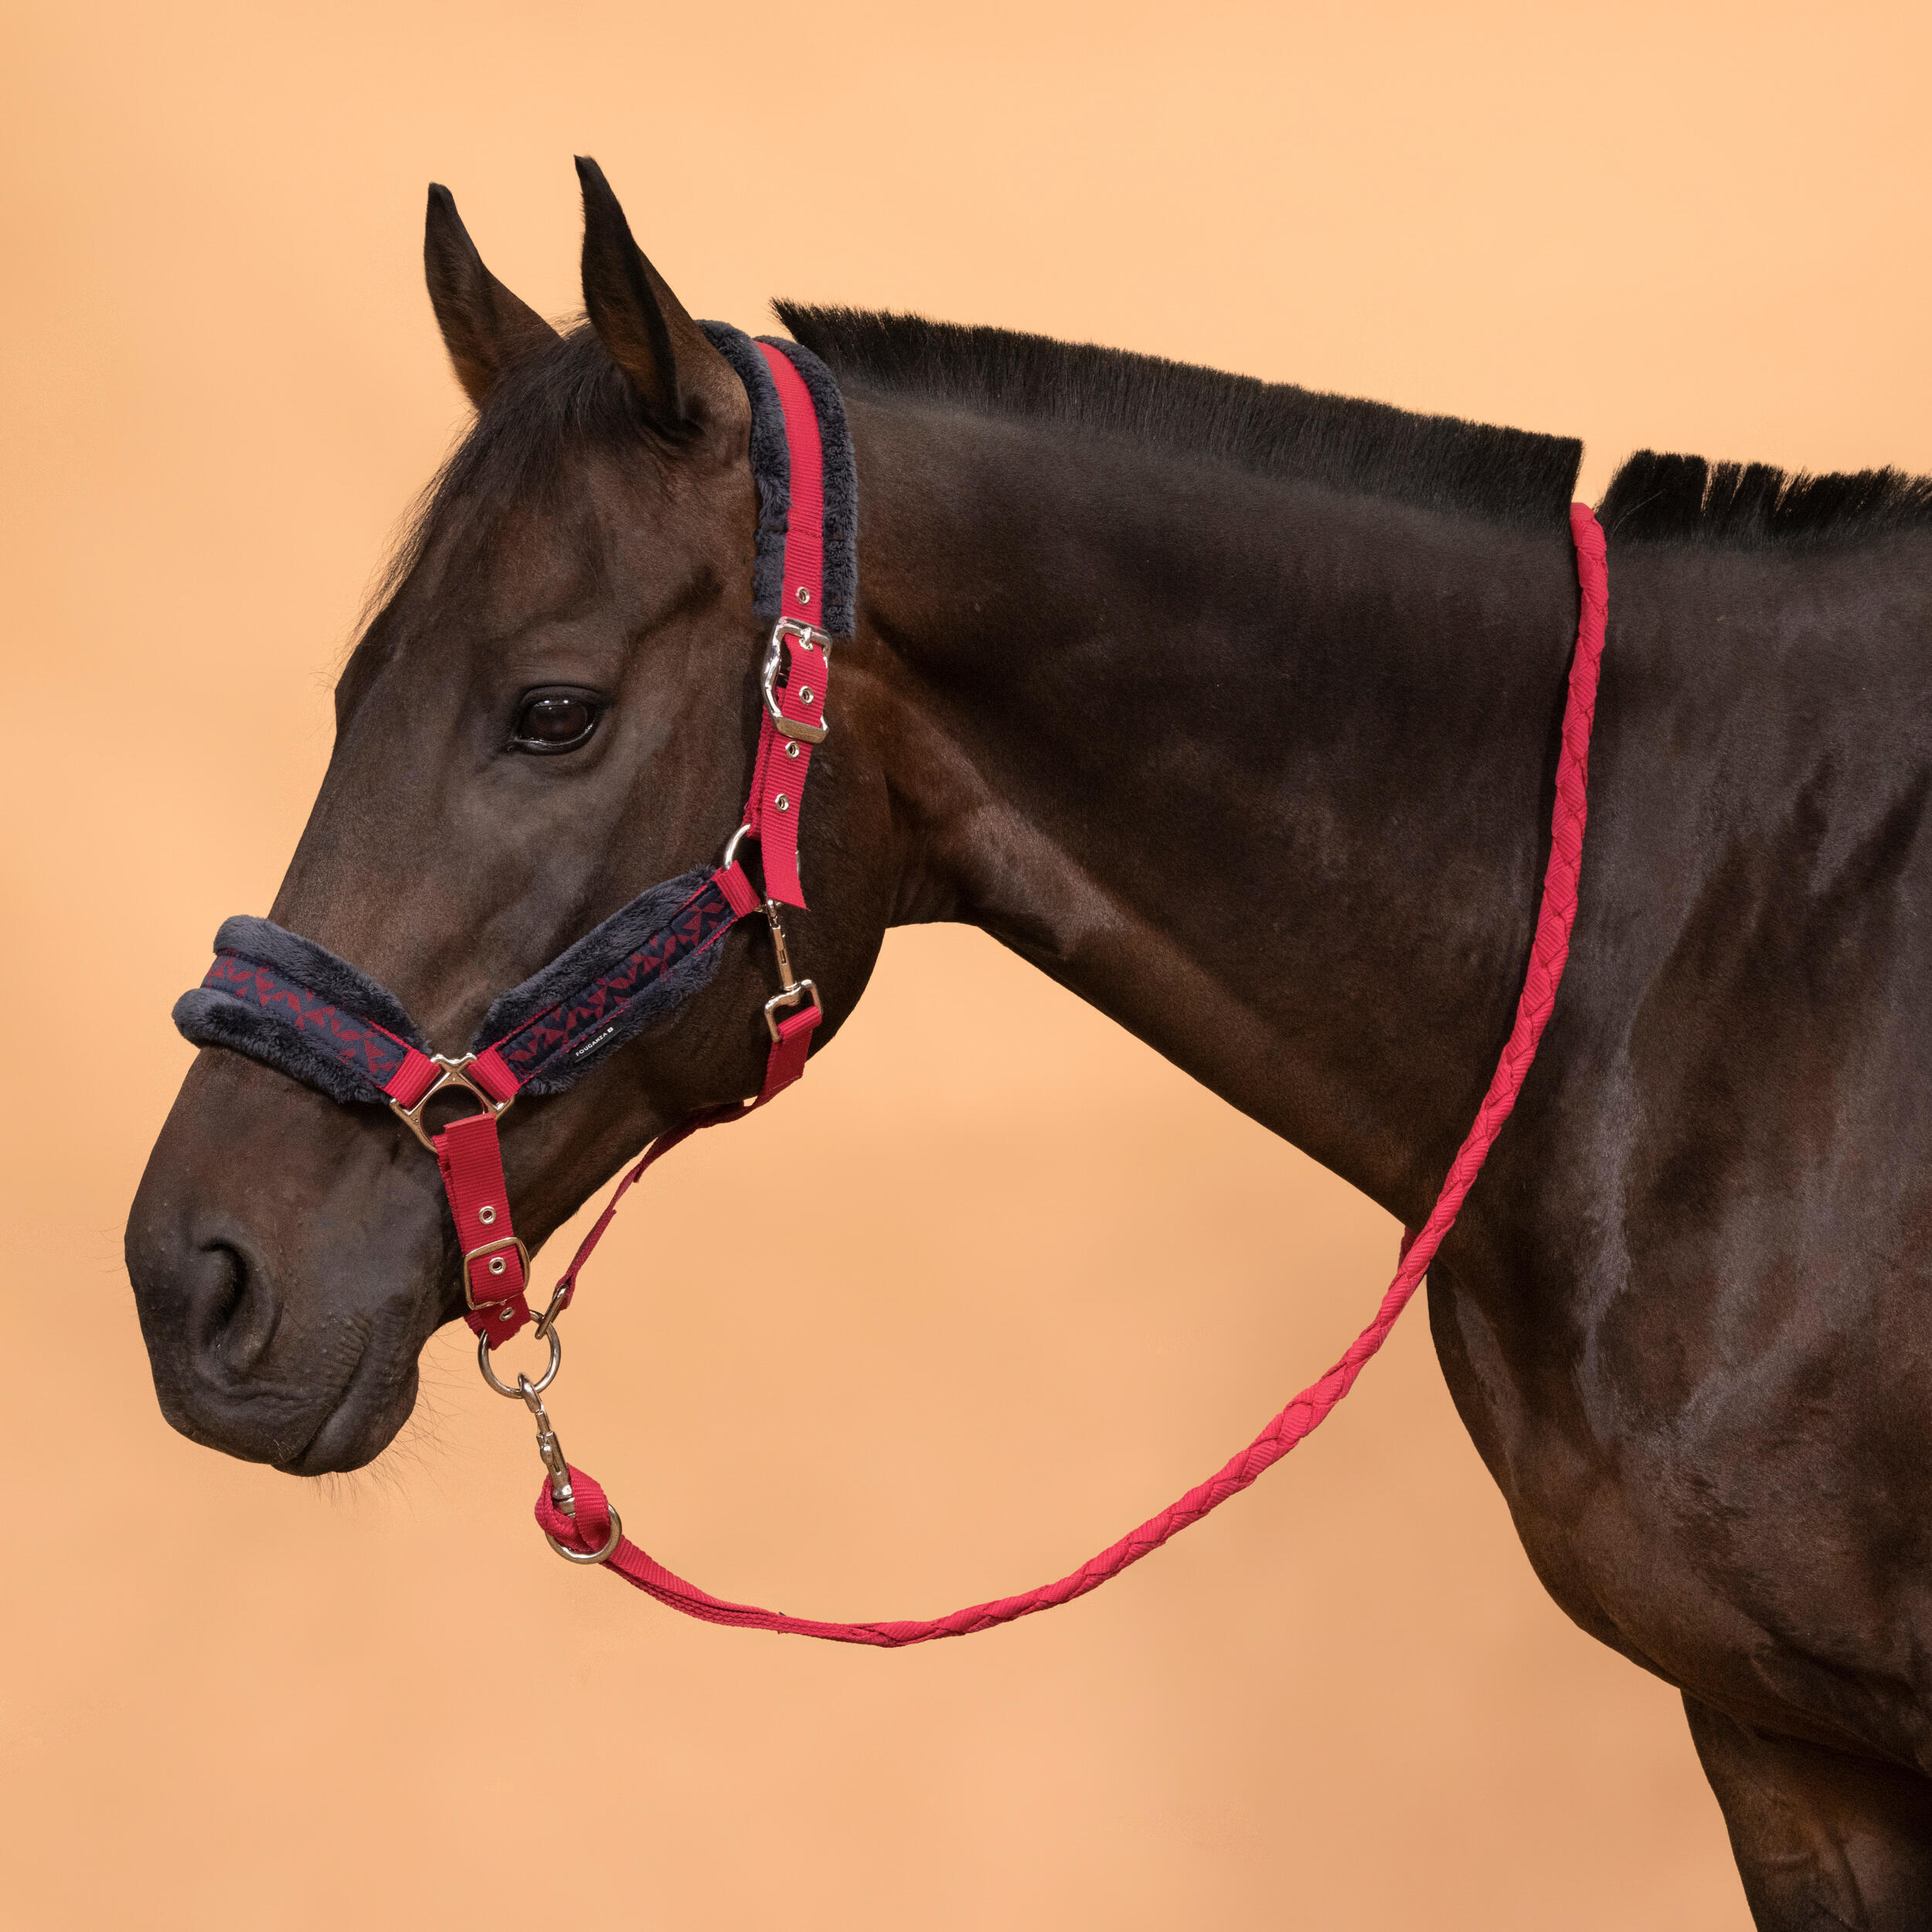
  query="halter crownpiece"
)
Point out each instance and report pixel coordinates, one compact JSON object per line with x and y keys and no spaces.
{"x":292,"y":1005}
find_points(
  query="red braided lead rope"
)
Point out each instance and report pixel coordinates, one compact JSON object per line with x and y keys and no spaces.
{"x":1550,"y":951}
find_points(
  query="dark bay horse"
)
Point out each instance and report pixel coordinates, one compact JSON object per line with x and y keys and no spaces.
{"x":1234,"y":708}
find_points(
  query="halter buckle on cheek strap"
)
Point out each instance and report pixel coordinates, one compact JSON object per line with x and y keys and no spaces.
{"x":292,"y":1003}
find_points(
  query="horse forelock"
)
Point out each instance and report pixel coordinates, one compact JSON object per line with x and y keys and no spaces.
{"x":548,"y":417}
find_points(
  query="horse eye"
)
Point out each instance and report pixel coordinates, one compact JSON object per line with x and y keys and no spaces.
{"x":556,"y":721}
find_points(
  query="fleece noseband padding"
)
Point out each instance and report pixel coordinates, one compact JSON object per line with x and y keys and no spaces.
{"x":284,"y":1000}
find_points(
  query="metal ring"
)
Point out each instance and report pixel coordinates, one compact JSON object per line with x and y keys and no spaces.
{"x":449,"y":1073}
{"x":503,"y":1388}
{"x":570,"y":1556}
{"x":731,"y":845}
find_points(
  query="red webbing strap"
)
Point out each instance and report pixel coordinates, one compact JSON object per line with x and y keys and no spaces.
{"x":471,"y":1162}
{"x":739,"y":894}
{"x":783,"y":1065}
{"x":413,"y":1079}
{"x":778,"y":775}
{"x":490,"y":1072}
{"x":805,"y":522}
{"x":786,"y":1062}
{"x":1549,"y":951}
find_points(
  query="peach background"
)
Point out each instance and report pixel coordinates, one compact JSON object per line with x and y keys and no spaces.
{"x":1048,"y":1288}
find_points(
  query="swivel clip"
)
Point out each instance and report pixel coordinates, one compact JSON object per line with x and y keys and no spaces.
{"x":556,"y":1467}
{"x":531,"y":1395}
{"x":790,"y":991}
{"x":551,"y":1451}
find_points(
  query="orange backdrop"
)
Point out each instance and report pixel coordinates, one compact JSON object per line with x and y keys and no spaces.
{"x":1047,"y":1289}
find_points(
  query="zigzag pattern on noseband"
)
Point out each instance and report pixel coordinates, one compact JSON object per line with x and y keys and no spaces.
{"x":573,"y":1025}
{"x":364,"y":1048}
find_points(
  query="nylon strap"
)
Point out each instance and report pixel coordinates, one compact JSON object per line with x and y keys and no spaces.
{"x":471,"y":1163}
{"x":472,"y":1169}
{"x":778,"y":777}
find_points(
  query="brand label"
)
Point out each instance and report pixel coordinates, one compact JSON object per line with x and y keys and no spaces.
{"x":591,"y":1046}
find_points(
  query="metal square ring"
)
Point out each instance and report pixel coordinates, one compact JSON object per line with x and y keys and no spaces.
{"x":449,"y":1073}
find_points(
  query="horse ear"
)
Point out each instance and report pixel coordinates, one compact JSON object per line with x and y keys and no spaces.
{"x":682,"y":381}
{"x":485,"y":328}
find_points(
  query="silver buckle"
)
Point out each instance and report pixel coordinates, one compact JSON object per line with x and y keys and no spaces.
{"x":502,"y":1267}
{"x":805,"y":636}
{"x":452,"y":1075}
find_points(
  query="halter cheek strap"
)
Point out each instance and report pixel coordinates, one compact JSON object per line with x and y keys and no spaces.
{"x":284,"y":1000}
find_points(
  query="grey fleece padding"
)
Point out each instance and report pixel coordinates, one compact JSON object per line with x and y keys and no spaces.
{"x":770,"y":463}
{"x":325,"y":974}
{"x":842,"y":487}
{"x":771,"y":471}
{"x":212,"y":1019}
{"x":598,"y":953}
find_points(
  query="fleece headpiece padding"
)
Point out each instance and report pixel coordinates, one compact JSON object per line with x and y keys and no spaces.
{"x":771,"y":470}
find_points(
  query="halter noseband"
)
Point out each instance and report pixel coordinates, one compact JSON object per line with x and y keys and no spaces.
{"x":294,"y":1006}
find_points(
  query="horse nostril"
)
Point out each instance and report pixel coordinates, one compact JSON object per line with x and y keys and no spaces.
{"x":232,"y":1313}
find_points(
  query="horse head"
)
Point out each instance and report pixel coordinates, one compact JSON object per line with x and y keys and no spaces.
{"x":557,"y":704}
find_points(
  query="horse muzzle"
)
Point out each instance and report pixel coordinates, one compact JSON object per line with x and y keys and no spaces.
{"x":287,"y":1269}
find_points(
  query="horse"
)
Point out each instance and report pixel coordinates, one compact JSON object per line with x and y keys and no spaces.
{"x":1233,"y":708}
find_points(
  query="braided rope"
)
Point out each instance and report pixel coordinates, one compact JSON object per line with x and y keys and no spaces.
{"x":1549,"y":954}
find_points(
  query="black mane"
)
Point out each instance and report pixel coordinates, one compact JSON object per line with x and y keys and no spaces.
{"x":1755,"y":506}
{"x":574,"y":398}
{"x":1510,"y":476}
{"x":1513,"y":477}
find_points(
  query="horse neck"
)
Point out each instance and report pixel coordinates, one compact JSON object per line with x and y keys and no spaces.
{"x":1260,"y":771}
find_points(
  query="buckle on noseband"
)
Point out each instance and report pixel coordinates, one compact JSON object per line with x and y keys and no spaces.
{"x":451,"y":1075}
{"x":500,"y":1266}
{"x":805,"y":636}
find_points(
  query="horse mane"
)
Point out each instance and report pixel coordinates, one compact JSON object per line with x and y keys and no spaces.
{"x":573,"y":397}
{"x":1655,"y":498}
{"x":1513,"y":477}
